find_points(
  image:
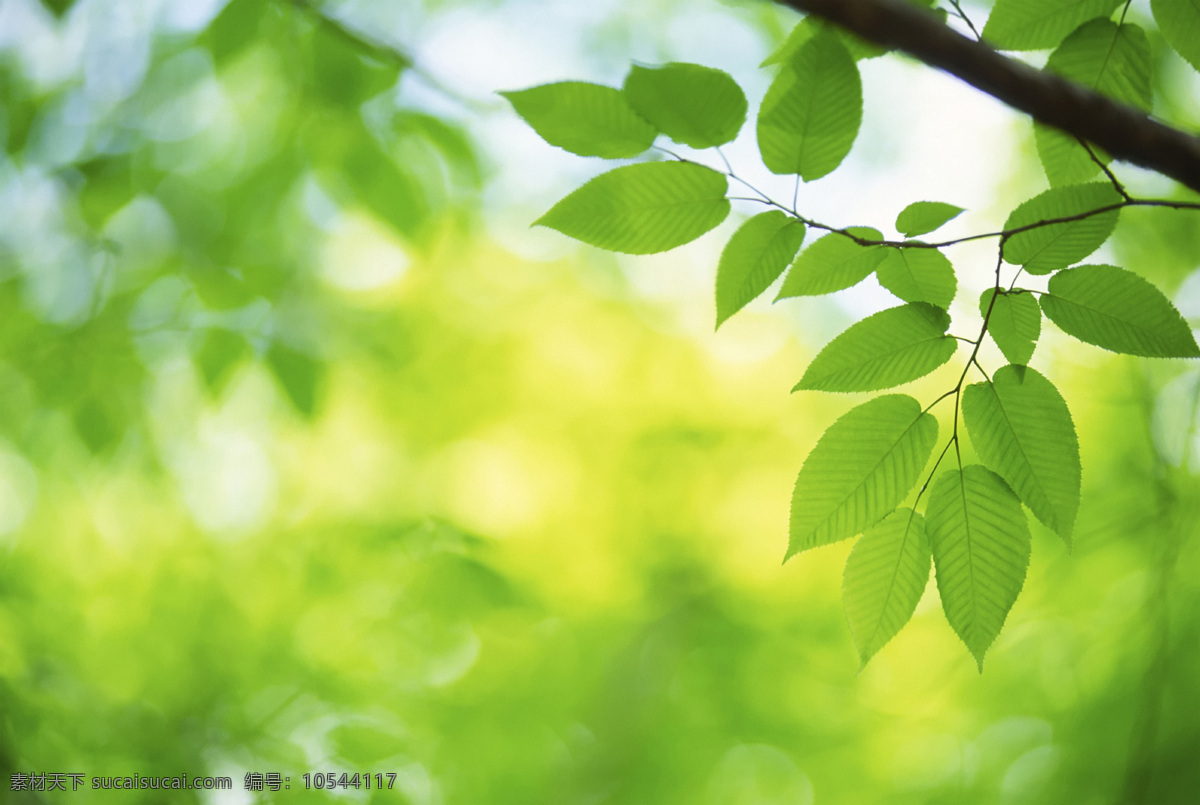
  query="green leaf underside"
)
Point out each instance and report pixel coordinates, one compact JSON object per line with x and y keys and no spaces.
{"x":1179,"y":21}
{"x":754,"y":257}
{"x":918,"y":275}
{"x":860,"y":470}
{"x":885,"y":576}
{"x":1022,"y":431}
{"x":981,"y":546}
{"x":698,"y":106}
{"x":833,"y":263}
{"x":1119,"y":311}
{"x":811,"y":114}
{"x":809,"y":27}
{"x":1015,"y":323}
{"x":921,"y":217}
{"x":886,"y":349}
{"x":643,"y":209}
{"x":1037,"y":24}
{"x":590,"y":120}
{"x":1049,"y":248}
{"x":1114,"y":61}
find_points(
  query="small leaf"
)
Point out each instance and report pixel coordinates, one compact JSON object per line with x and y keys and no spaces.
{"x":299,"y":374}
{"x":586,"y":119}
{"x":1179,"y":22}
{"x":886,"y":574}
{"x":1022,"y":431}
{"x":981,"y":546}
{"x":1119,"y":311}
{"x":811,"y":114}
{"x":925,"y":216}
{"x":918,"y":275}
{"x":218,"y":355}
{"x":887,"y":349}
{"x":1048,"y":248}
{"x":809,"y":27}
{"x":832,"y":263}
{"x":754,"y":257}
{"x":1114,"y":61}
{"x":1037,"y":24}
{"x":643,"y":209}
{"x":860,"y":470}
{"x":698,"y":106}
{"x":1015,"y":323}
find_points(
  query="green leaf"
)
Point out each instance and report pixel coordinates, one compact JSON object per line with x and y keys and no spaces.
{"x":299,"y":374}
{"x":1054,"y":246}
{"x":754,"y":257}
{"x":809,"y":27}
{"x":1022,"y":431}
{"x":918,"y":275}
{"x":219,"y":354}
{"x":1119,"y":311}
{"x":860,"y":469}
{"x":698,"y":106}
{"x":1037,"y":24}
{"x":886,"y":574}
{"x":1015,"y":323}
{"x":1179,"y":21}
{"x":811,"y":113}
{"x":832,"y":263}
{"x":1114,"y":61}
{"x":642,"y":209}
{"x":981,"y":546}
{"x":925,"y":216}
{"x":887,"y":349}
{"x":586,"y":119}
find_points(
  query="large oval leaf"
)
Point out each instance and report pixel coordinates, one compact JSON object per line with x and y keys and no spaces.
{"x":886,"y":574}
{"x":1022,"y":431}
{"x":694,"y":105}
{"x":833,"y":263}
{"x":1015,"y":322}
{"x":754,"y":257}
{"x":1048,"y":248}
{"x":1037,"y":24}
{"x":918,"y":275}
{"x":1119,"y":311}
{"x":886,"y":349}
{"x":811,"y":113}
{"x":1179,"y":21}
{"x":586,"y":119}
{"x":860,"y":470}
{"x":980,"y":543}
{"x":642,"y":209}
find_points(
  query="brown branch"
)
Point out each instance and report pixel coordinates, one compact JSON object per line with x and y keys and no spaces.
{"x":1123,"y":131}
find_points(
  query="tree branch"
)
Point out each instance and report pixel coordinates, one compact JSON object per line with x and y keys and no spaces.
{"x":1125,"y":132}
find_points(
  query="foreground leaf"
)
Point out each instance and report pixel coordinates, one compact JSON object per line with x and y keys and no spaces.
{"x":981,"y":544}
{"x":754,"y":257}
{"x":1037,"y":24}
{"x":1022,"y":431}
{"x":884,"y":350}
{"x":918,"y":275}
{"x":860,"y":470}
{"x":1015,"y":323}
{"x":925,"y":216}
{"x":809,"y":27}
{"x":586,"y":119}
{"x":886,"y":574}
{"x":1049,"y":248}
{"x":698,"y":106}
{"x":1119,"y":311}
{"x":811,"y":114}
{"x":833,"y":263}
{"x":1179,"y":21}
{"x":642,"y":209}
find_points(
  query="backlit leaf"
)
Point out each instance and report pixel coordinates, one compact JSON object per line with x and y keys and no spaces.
{"x":832,"y":263}
{"x":1036,"y":24}
{"x":300,"y":375}
{"x":860,"y":470}
{"x":809,"y":27}
{"x":694,"y":105}
{"x":886,"y":574}
{"x":925,"y":216}
{"x":811,"y":113}
{"x":1022,"y":430}
{"x":1015,"y":323}
{"x":642,"y":209}
{"x":981,"y":544}
{"x":1119,"y":311}
{"x":918,"y":275}
{"x":1048,"y":248}
{"x":754,"y":257}
{"x":1179,"y":21}
{"x":884,"y":350}
{"x":586,"y":119}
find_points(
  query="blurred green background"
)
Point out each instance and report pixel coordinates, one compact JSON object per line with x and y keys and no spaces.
{"x":314,"y":458}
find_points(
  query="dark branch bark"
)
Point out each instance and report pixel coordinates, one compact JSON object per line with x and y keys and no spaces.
{"x":1126,"y":133}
